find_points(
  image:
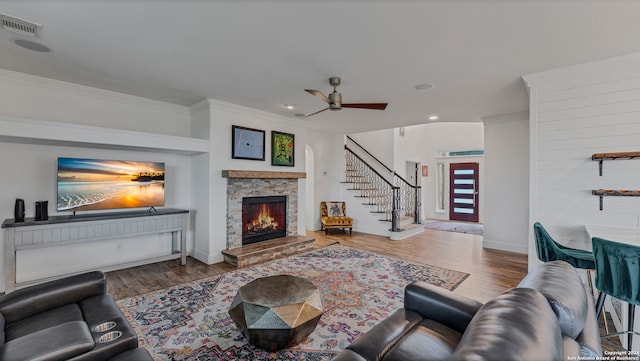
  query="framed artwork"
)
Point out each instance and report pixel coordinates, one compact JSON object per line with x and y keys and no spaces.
{"x":248,"y":143}
{"x":282,"y":149}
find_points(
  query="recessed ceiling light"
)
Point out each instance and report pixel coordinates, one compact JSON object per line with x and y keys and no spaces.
{"x":31,"y":45}
{"x":424,"y":86}
{"x":433,"y":117}
{"x":289,"y":106}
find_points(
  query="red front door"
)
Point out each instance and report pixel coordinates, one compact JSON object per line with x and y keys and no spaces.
{"x":463,"y":192}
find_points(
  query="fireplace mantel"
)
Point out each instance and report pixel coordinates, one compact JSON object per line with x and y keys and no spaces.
{"x":257,"y":174}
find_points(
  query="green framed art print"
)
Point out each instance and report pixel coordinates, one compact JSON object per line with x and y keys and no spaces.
{"x":282,"y":149}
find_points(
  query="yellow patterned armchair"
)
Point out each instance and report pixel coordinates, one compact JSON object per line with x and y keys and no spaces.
{"x":334,"y":215}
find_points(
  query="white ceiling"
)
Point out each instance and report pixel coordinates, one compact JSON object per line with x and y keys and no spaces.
{"x":263,"y":54}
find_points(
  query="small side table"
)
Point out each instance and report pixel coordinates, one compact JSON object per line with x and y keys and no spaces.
{"x":277,"y":312}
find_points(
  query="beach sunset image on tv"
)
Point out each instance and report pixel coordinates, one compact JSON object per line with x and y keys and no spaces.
{"x":92,"y":184}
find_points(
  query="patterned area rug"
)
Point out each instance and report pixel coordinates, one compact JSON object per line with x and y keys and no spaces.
{"x":359,"y":289}
{"x":451,"y":226}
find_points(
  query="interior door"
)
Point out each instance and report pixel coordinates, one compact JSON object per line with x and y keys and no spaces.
{"x":411,"y":171}
{"x":463,"y":192}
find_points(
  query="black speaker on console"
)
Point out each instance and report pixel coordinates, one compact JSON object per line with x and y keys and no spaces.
{"x":18,"y":210}
{"x":42,"y":210}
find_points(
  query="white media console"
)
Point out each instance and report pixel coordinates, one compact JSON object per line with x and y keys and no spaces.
{"x":64,"y":230}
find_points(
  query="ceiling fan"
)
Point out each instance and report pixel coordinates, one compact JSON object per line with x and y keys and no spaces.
{"x":335,"y":99}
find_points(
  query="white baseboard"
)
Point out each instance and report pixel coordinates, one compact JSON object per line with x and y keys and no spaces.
{"x":509,"y":247}
{"x":201,"y":256}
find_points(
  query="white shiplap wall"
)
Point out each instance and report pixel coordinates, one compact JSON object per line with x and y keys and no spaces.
{"x":576,"y":112}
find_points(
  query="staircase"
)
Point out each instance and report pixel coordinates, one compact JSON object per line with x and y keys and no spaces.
{"x":390,"y":197}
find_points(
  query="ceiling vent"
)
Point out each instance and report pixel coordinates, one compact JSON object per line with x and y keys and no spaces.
{"x":20,"y":26}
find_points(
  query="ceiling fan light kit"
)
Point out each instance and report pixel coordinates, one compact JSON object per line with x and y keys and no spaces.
{"x":335,"y":99}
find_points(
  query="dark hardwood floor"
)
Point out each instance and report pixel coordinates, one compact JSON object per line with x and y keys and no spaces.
{"x":491,"y":272}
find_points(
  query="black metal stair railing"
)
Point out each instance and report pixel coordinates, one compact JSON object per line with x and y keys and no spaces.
{"x":403,"y":197}
{"x":409,"y":197}
{"x":379,"y":192}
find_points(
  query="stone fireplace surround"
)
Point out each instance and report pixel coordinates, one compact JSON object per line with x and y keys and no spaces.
{"x":242,"y":184}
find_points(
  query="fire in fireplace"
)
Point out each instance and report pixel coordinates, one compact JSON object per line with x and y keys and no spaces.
{"x":263,"y":218}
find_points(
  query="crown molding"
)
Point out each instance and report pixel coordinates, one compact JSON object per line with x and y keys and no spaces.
{"x":83,"y":90}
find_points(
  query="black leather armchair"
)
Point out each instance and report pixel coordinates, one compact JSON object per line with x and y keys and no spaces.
{"x":549,"y":316}
{"x":57,"y":320}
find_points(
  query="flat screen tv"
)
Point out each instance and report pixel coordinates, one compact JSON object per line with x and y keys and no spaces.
{"x":97,"y":184}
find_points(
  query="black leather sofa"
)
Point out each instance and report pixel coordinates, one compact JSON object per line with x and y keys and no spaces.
{"x":57,"y":320}
{"x":549,"y":316}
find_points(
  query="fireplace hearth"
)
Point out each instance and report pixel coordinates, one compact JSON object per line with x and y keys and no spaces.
{"x":263,"y":218}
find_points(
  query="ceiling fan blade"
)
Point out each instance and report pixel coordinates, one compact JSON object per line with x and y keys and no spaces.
{"x":318,"y":94}
{"x":319,"y":111}
{"x":375,"y":106}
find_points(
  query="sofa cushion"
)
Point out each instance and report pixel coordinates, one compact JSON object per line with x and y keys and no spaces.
{"x":337,"y":221}
{"x":59,"y":342}
{"x":559,"y":282}
{"x":99,"y":309}
{"x":429,"y":340}
{"x":1,"y":329}
{"x":570,"y":348}
{"x":43,"y":321}
{"x":43,"y":297}
{"x":518,"y":324}
{"x":439,"y":304}
{"x":385,"y":334}
{"x":348,"y":355}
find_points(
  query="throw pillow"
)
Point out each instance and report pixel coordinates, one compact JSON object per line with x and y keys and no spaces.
{"x":334,"y":209}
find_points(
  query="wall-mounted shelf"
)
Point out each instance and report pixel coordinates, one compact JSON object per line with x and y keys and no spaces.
{"x":614,"y":192}
{"x":613,"y":156}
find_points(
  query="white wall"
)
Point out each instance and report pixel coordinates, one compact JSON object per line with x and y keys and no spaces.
{"x":379,"y":143}
{"x":328,"y":150}
{"x":223,"y":116}
{"x":506,"y":210}
{"x":575,"y":112}
{"x":421,"y":144}
{"x":193,"y":181}
{"x":29,"y":170}
{"x":28,"y":96}
{"x":200,"y":180}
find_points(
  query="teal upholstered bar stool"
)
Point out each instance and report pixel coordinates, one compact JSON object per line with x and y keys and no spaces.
{"x":618,"y":275}
{"x":550,"y":250}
